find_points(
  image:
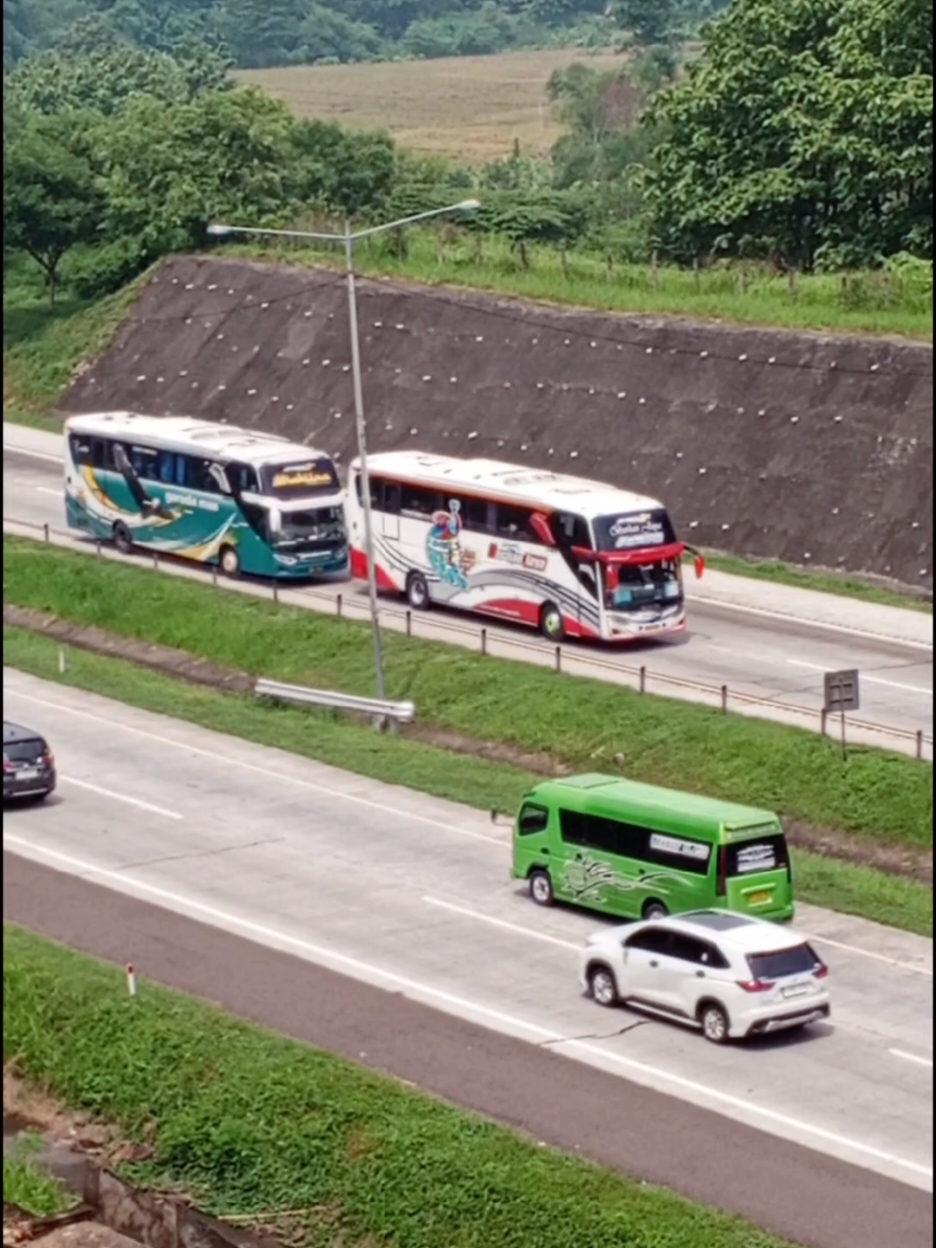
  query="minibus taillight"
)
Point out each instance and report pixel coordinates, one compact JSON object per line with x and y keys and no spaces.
{"x":721,"y":884}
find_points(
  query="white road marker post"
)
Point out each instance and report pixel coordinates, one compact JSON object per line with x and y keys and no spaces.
{"x":131,"y":979}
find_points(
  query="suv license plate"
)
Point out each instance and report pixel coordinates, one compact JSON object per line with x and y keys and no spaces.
{"x":28,"y":773}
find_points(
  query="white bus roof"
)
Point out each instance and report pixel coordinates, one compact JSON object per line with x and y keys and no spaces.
{"x":189,"y":436}
{"x":538,"y":487}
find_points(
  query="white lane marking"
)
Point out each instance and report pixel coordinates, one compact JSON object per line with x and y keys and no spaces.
{"x":510,"y":927}
{"x":122,"y":797}
{"x":279,"y":775}
{"x":369,"y":972}
{"x":21,"y":450}
{"x":786,"y":618}
{"x":912,"y":1057}
{"x":44,"y":489}
{"x":867,"y":953}
{"x":870,"y":680}
{"x":263,"y":771}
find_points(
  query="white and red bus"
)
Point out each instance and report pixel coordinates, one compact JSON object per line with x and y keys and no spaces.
{"x":571,"y":557}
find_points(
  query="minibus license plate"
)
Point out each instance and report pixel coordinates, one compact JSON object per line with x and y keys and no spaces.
{"x":758,"y":899}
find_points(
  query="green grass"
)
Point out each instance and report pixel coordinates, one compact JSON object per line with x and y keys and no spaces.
{"x":42,"y":347}
{"x":27,"y":1185}
{"x":473,"y":781}
{"x":746,"y":294}
{"x":821,"y":579}
{"x":798,"y":773}
{"x":248,"y":1121}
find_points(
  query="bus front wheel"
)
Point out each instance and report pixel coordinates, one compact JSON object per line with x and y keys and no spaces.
{"x":122,"y":538}
{"x":417,"y":591}
{"x":550,"y":622}
{"x":541,"y":889}
{"x":230,"y":561}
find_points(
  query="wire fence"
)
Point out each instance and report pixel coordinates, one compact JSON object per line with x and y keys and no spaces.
{"x":345,"y":601}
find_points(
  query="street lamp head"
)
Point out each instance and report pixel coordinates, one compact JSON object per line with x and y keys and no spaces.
{"x":468,"y":205}
{"x":218,"y":231}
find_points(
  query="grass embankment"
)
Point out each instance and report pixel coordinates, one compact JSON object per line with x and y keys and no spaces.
{"x":880,"y":798}
{"x":42,"y":347}
{"x":27,"y":1185}
{"x":247,"y":1121}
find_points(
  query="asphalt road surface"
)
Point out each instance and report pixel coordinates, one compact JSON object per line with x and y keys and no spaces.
{"x":411,"y":894}
{"x":765,"y":655}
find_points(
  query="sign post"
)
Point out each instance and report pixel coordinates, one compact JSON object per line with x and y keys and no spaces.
{"x":841,"y":694}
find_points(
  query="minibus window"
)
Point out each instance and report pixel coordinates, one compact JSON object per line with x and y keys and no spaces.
{"x":532,"y":819}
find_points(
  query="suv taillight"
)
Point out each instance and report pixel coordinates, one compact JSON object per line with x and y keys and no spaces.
{"x":821,"y":971}
{"x":755,"y":985}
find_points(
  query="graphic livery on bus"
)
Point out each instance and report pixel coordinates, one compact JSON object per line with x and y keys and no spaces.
{"x":639,"y":851}
{"x":245,"y":500}
{"x":573,"y":558}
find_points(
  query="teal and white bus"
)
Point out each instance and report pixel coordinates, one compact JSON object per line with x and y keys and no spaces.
{"x":244,"y":500}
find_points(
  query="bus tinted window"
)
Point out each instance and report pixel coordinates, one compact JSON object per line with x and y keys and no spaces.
{"x":767,"y":853}
{"x":636,"y":530}
{"x":571,"y":530}
{"x":145,"y":462}
{"x":682,"y":853}
{"x":80,"y":448}
{"x":514,"y":523}
{"x":630,"y":840}
{"x":420,"y":502}
{"x":102,"y":453}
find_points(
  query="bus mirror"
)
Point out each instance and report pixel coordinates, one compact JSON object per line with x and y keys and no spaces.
{"x":276,"y":520}
{"x":220,"y":476}
{"x":540,"y":526}
{"x":699,"y":566}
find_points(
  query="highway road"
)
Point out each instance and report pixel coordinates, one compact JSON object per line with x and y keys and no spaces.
{"x":759,"y":652}
{"x":411,"y":894}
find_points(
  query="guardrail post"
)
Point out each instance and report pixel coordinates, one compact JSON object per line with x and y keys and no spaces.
{"x":919,"y":741}
{"x":338,"y":603}
{"x":45,"y":532}
{"x":724,"y":698}
{"x":275,"y":591}
{"x":409,"y":623}
{"x":97,"y":546}
{"x":643,"y":680}
{"x":558,"y":658}
{"x":155,"y":560}
{"x":484,"y":641}
{"x":214,"y":574}
{"x":823,"y":721}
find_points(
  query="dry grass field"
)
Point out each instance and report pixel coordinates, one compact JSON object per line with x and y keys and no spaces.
{"x":471,"y":108}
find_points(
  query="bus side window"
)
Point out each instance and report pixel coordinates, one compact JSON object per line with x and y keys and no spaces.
{"x":478,"y":515}
{"x":243,"y":477}
{"x":204,"y":481}
{"x":145,"y":463}
{"x":420,"y":502}
{"x":392,"y":498}
{"x":80,"y":448}
{"x":102,"y":453}
{"x":166,"y":461}
{"x":532,"y":819}
{"x":514,"y":523}
{"x":571,"y":530}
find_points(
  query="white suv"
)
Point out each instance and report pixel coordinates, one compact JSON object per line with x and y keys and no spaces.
{"x":729,"y":975}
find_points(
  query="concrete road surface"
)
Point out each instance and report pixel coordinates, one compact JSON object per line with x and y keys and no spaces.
{"x":778,"y":650}
{"x":412,"y":894}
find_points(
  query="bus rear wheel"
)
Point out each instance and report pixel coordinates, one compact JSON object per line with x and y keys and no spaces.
{"x":417,"y":591}
{"x":122,"y":539}
{"x":551,"y":623}
{"x":229,"y":560}
{"x":654,"y":910}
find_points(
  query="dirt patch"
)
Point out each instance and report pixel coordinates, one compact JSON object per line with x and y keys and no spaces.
{"x":804,"y":447}
{"x":916,"y":864}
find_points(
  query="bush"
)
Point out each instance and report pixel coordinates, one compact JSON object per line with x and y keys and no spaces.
{"x":102,"y":270}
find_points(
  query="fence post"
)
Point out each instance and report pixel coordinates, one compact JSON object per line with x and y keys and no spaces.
{"x":155,"y":560}
{"x":643,"y":680}
{"x":97,"y":546}
{"x":338,"y":603}
{"x":558,"y":658}
{"x":45,"y":532}
{"x":484,"y":641}
{"x":276,"y":591}
{"x":409,"y":623}
{"x":823,"y":721}
{"x":724,"y":698}
{"x":214,"y":574}
{"x":919,"y":739}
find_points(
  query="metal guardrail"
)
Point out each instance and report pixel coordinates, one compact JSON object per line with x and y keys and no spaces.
{"x":569,"y":658}
{"x":374,"y":708}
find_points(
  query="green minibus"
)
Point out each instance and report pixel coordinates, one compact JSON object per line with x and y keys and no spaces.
{"x":638,"y":851}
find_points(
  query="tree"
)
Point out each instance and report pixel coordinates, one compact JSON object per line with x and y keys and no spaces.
{"x":51,"y":199}
{"x":648,"y":23}
{"x":804,"y":131}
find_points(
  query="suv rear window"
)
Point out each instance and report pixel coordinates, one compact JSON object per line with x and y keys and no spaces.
{"x":799,"y":960}
{"x":24,"y":751}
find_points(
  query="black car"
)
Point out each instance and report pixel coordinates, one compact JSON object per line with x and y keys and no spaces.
{"x":28,"y":765}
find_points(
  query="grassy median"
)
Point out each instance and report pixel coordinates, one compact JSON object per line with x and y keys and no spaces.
{"x":247,"y":1121}
{"x":578,"y":721}
{"x":478,"y":782}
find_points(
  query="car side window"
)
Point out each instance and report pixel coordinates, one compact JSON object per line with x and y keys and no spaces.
{"x":712,"y":956}
{"x":689,"y":949}
{"x":651,"y":939}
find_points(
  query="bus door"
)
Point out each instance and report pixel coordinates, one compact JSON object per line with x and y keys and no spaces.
{"x":572,"y":537}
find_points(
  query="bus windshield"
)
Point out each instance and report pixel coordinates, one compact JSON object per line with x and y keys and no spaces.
{"x":634,"y":530}
{"x":311,"y":528}
{"x":640,"y":585}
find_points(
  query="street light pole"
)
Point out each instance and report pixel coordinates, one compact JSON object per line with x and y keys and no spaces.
{"x":361,"y":426}
{"x":348,"y":239}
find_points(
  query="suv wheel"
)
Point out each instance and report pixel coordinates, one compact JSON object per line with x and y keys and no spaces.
{"x":714,"y":1022}
{"x":603,"y":986}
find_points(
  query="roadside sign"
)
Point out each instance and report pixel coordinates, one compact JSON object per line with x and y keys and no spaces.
{"x":841,"y":691}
